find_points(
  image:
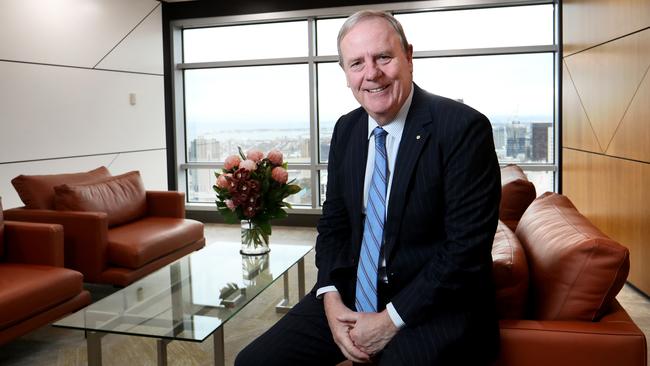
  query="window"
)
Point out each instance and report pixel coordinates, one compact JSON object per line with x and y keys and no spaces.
{"x":273,"y":81}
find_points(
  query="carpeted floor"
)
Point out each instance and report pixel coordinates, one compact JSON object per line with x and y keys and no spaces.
{"x":50,"y":346}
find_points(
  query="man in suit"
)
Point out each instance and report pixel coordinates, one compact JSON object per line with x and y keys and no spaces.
{"x":404,"y":242}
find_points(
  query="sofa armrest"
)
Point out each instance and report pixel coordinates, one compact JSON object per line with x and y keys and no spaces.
{"x":166,"y":204}
{"x":85,"y":237}
{"x":32,"y":243}
{"x":615,"y":340}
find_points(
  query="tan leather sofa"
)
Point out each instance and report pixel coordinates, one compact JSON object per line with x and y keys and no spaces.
{"x":557,"y":277}
{"x":35,"y":289}
{"x":115,"y":231}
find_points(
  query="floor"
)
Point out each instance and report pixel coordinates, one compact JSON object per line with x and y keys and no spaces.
{"x":49,"y":346}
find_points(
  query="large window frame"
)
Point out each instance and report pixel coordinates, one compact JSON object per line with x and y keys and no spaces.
{"x":315,"y":166}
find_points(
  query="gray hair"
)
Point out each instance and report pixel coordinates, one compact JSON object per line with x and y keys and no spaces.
{"x":359,"y":16}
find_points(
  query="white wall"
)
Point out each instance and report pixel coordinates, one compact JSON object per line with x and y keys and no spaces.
{"x":67,"y":69}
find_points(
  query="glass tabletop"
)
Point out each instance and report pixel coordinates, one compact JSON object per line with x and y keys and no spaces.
{"x":190,"y":298}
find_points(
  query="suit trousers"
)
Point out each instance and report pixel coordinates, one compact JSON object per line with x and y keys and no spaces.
{"x":303,"y":337}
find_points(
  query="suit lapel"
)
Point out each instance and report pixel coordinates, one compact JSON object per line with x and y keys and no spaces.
{"x":356,"y":168}
{"x":413,"y":140}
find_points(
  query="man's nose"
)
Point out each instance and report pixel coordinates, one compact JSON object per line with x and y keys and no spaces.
{"x":372,"y":71}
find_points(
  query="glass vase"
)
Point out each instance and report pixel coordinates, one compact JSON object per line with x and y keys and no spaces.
{"x":253,"y":242}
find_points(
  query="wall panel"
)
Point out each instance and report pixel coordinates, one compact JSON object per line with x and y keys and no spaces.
{"x":62,"y":112}
{"x":607,"y":77}
{"x":66,"y":32}
{"x":591,"y":22}
{"x":577,"y":131}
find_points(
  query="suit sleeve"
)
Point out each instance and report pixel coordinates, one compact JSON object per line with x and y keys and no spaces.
{"x":472,"y":189}
{"x":333,"y":226}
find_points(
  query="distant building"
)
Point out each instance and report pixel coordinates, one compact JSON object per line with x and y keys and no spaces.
{"x":516,"y":141}
{"x":540,"y":137}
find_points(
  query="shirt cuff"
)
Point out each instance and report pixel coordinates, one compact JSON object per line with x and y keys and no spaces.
{"x":322,"y":290}
{"x":392,"y":313}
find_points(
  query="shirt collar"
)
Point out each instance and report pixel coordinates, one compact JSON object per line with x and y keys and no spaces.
{"x":396,"y":126}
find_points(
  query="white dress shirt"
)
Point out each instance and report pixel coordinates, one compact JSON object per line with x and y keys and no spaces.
{"x":395,"y":128}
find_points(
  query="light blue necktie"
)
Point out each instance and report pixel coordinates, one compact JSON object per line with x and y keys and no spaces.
{"x":373,"y":229}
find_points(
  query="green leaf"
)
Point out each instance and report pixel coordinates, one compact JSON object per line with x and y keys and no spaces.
{"x":241,"y":153}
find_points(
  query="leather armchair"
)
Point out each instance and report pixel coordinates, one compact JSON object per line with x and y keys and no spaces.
{"x":35,"y":289}
{"x":110,"y":239}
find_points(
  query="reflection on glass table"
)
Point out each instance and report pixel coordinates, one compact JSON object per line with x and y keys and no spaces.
{"x":190,"y":299}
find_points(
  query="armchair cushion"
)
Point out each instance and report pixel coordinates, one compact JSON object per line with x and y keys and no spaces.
{"x":26,"y":290}
{"x":576,"y":270}
{"x":37,"y":191}
{"x":122,"y":197}
{"x":138,"y":243}
{"x":516,"y":195}
{"x":510,"y":273}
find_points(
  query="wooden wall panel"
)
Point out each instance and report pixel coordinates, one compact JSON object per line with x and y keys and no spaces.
{"x":613,"y":193}
{"x":590,"y":22}
{"x":632,"y":140}
{"x":576,"y":128}
{"x":607,"y":77}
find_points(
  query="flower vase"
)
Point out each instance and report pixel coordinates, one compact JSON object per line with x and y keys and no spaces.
{"x":253,"y":240}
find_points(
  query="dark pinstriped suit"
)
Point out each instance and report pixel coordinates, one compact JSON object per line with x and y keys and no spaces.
{"x":441,"y":220}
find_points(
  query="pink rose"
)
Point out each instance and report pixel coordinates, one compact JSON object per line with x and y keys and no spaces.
{"x":230,"y":204}
{"x":222,"y":182}
{"x":248,"y":165}
{"x":254,"y":155}
{"x":275,"y":156}
{"x":279,"y":174}
{"x":231,"y":162}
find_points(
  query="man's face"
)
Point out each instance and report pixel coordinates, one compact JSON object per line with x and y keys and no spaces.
{"x":378,"y":70}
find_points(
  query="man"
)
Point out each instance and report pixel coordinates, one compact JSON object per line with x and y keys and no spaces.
{"x":404,"y":245}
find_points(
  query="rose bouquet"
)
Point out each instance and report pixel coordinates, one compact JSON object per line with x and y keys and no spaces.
{"x":251,"y":189}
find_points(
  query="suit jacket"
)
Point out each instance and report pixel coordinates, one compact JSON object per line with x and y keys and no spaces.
{"x":440,"y":224}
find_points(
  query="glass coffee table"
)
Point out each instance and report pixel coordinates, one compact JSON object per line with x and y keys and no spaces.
{"x":190,"y":299}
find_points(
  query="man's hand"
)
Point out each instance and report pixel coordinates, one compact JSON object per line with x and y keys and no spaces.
{"x":335,"y":310}
{"x":371,"y":331}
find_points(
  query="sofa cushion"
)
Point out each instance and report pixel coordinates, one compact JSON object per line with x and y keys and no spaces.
{"x":510,"y":273}
{"x":37,"y":191}
{"x":26,"y":290}
{"x":516,"y":195}
{"x":575,"y":269}
{"x":122,"y":197}
{"x":138,"y":243}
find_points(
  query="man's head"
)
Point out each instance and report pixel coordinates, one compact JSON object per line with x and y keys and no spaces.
{"x":377,"y":61}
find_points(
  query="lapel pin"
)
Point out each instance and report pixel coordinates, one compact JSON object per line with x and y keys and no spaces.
{"x":417,"y":137}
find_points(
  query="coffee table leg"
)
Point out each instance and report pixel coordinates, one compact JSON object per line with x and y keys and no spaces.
{"x":219,"y":354}
{"x":283,"y":306}
{"x":94,"y":348}
{"x":301,"y":278}
{"x":161,"y":350}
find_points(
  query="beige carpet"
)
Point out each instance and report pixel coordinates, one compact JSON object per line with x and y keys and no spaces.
{"x":55,"y":346}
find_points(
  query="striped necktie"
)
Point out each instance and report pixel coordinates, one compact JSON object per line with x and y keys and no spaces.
{"x":373,"y":229}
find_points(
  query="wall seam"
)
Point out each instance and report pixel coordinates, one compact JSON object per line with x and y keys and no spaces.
{"x":608,"y":41}
{"x":79,"y":67}
{"x":81,"y":156}
{"x":609,"y":156}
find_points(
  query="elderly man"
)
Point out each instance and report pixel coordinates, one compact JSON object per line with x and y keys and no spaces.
{"x":404,"y":245}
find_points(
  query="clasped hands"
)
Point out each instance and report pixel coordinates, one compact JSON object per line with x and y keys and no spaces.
{"x":359,"y":335}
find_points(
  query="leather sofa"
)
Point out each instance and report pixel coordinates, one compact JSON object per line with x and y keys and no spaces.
{"x":35,"y":289}
{"x":556,"y":279}
{"x":115,"y":231}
